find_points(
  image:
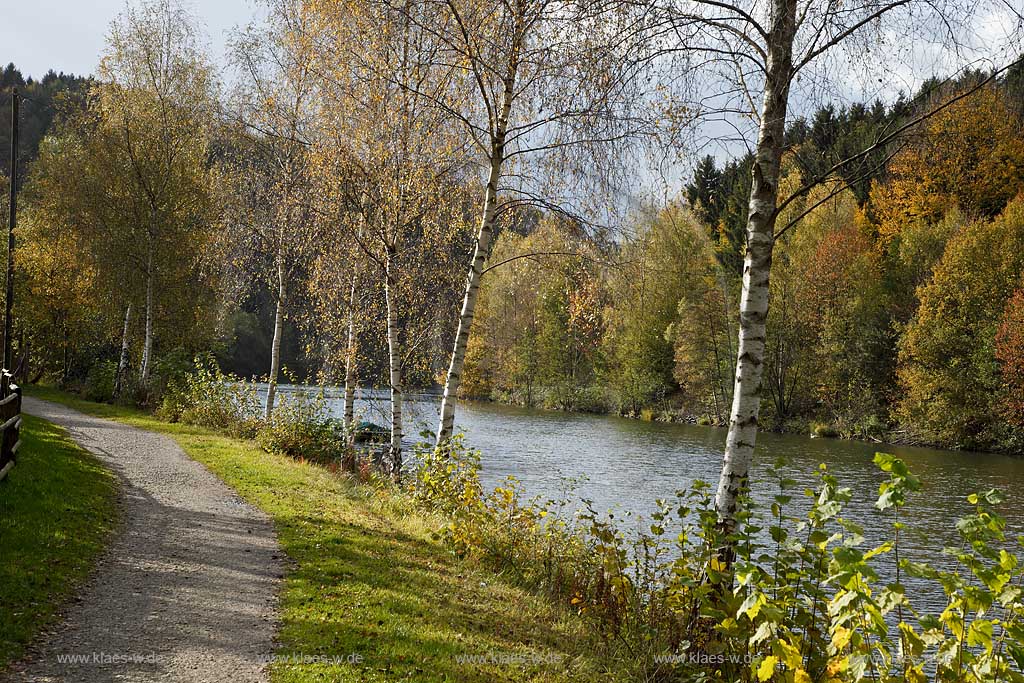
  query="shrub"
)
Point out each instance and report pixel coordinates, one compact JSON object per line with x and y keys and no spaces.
{"x":99,"y":382}
{"x":800,"y":598}
{"x":520,"y":539}
{"x":302,"y":427}
{"x":209,"y":398}
{"x":824,"y":430}
{"x":593,"y":399}
{"x":169,"y":370}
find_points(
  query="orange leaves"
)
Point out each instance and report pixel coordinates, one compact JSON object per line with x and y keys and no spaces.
{"x":970,"y":155}
{"x":948,"y":369}
{"x":1010,"y":354}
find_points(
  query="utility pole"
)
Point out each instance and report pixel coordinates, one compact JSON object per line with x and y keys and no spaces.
{"x":13,"y":223}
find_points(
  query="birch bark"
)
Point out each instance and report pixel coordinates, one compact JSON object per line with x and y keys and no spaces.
{"x":739,"y":449}
{"x":147,"y":344}
{"x":275,"y":349}
{"x":483,"y":246}
{"x":122,"y":362}
{"x":393,"y":463}
{"x":350,"y":361}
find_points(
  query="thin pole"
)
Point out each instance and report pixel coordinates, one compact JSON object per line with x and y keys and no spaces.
{"x":9,"y":298}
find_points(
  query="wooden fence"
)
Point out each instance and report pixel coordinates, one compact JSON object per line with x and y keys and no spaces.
{"x":10,"y":422}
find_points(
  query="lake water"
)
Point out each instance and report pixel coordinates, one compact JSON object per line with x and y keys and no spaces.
{"x":625,"y":464}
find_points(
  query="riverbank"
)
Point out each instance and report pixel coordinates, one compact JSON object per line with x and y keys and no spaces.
{"x":444,"y":578}
{"x":876,"y":433}
{"x":58,"y":508}
{"x":369,"y":593}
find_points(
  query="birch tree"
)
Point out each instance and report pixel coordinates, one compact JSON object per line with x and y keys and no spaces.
{"x":267,"y":190}
{"x":343,"y":308}
{"x":153,"y":108}
{"x":551,"y":84}
{"x":753,"y":57}
{"x":392,"y":162}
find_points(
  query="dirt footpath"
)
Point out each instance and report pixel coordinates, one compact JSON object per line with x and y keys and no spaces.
{"x":187,"y":590}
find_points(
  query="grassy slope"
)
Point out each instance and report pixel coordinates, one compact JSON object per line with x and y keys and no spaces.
{"x":368,"y":580}
{"x":57,"y":508}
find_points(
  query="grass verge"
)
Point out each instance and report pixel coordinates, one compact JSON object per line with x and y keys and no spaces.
{"x":57,"y":508}
{"x":370,"y":596}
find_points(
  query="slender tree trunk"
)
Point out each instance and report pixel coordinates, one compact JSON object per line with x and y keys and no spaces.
{"x":147,"y":345}
{"x":739,"y":449}
{"x":349,"y":462}
{"x":275,"y":349}
{"x":350,"y":359}
{"x":393,"y":465}
{"x":122,"y":362}
{"x":483,"y":246}
{"x":484,"y":237}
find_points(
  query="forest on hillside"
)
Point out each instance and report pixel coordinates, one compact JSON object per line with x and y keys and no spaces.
{"x":293,"y":221}
{"x":895,"y":303}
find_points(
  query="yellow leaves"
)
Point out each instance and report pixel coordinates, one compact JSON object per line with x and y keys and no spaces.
{"x":767,"y":668}
{"x":915,"y":674}
{"x":788,"y":654}
{"x":841,"y":638}
{"x":981,"y":634}
{"x":837,"y":666}
{"x":969,"y":157}
{"x":751,"y":607}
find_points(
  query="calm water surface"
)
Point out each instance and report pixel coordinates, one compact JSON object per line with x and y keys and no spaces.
{"x":624,"y":465}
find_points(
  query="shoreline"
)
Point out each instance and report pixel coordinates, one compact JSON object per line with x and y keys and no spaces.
{"x":891,"y":437}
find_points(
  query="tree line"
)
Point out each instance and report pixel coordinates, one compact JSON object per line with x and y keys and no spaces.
{"x":881,"y":326}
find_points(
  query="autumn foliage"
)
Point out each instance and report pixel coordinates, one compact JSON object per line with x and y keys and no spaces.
{"x":1010,"y":353}
{"x":970,"y":156}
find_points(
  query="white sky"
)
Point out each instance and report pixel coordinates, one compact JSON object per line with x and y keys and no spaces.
{"x":68,"y":35}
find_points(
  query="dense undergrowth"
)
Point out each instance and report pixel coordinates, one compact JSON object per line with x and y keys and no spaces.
{"x":806,"y":597}
{"x":804,"y":600}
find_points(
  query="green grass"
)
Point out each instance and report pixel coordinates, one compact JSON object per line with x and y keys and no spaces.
{"x":57,"y":508}
{"x":367,"y":582}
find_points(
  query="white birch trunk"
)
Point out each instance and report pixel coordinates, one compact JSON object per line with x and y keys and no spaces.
{"x":350,"y":362}
{"x":739,"y":449}
{"x":484,"y":237}
{"x":122,"y":362}
{"x":393,"y":462}
{"x":275,"y":348}
{"x":147,"y":344}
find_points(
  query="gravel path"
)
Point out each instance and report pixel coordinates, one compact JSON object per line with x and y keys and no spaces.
{"x":187,"y":590}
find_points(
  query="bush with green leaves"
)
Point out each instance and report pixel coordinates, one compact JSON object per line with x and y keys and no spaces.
{"x":302,"y":427}
{"x":99,"y":382}
{"x":208,"y":397}
{"x":796,"y":597}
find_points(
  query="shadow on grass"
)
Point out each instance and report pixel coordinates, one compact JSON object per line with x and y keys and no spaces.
{"x":369,"y":595}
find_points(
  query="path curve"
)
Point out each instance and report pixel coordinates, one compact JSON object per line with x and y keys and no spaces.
{"x":187,"y":590}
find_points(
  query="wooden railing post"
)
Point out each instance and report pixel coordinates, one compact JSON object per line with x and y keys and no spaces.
{"x":10,"y":422}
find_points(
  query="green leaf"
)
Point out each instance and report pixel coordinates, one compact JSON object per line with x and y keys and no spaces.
{"x":980,"y":634}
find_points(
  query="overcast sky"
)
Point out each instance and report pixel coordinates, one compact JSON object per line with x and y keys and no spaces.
{"x":68,"y":35}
